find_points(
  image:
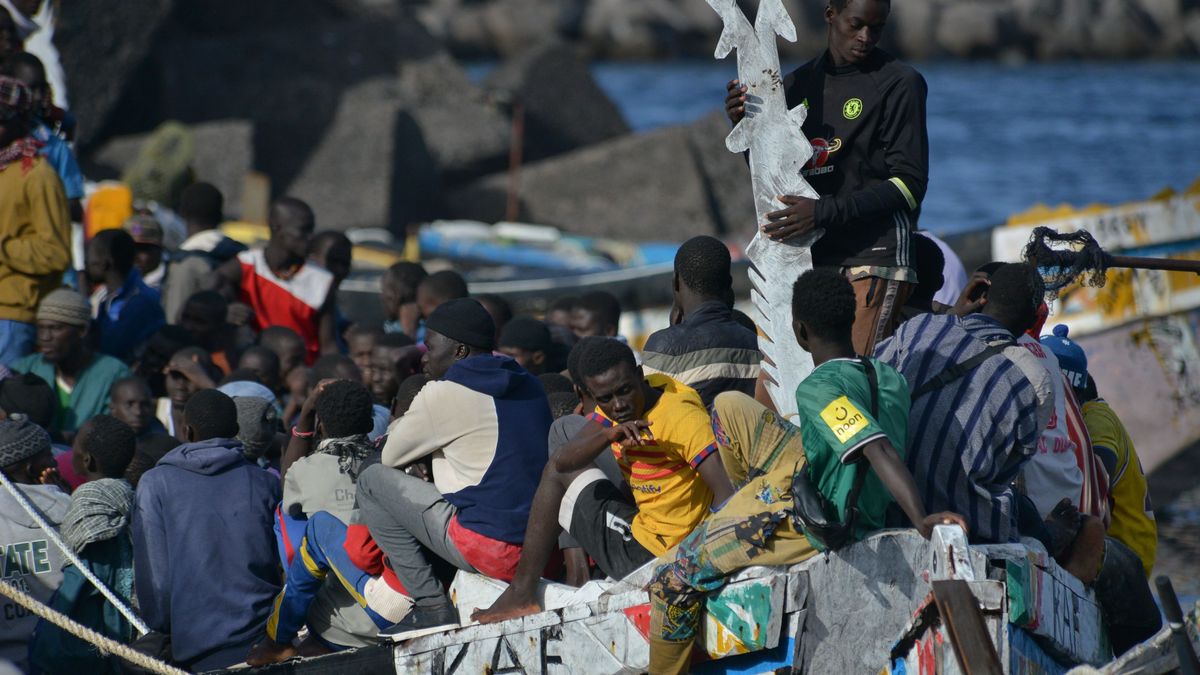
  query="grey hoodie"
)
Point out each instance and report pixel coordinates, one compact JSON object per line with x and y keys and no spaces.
{"x":31,"y":563}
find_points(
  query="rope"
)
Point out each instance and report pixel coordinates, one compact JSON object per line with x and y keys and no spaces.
{"x":104,"y":644}
{"x":140,"y":625}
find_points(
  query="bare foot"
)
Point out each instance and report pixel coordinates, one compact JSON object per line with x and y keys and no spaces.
{"x":1084,"y":557}
{"x":268,"y":651}
{"x":511,"y":604}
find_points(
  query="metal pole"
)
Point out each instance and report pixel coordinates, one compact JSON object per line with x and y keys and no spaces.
{"x":512,"y":209}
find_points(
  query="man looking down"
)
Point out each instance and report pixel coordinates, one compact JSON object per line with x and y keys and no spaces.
{"x":870,"y":163}
{"x":663,"y":439}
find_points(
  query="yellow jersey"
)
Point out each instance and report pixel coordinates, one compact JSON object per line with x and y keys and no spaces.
{"x":671,"y":497}
{"x":1132,"y":516}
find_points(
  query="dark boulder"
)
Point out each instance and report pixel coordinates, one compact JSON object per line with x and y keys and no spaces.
{"x":564,"y":107}
{"x":395,"y":144}
{"x":642,"y":187}
{"x":102,"y":46}
{"x":726,"y":176}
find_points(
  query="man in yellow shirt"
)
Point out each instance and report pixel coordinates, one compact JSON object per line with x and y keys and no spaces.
{"x":35,"y":224}
{"x":662,"y":437}
{"x":1132,"y":516}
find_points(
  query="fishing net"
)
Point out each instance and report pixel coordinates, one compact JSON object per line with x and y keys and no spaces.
{"x":1063,"y":258}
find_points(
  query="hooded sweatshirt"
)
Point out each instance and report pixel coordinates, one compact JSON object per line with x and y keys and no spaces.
{"x":205,"y":561}
{"x":485,"y":425}
{"x":31,"y":563}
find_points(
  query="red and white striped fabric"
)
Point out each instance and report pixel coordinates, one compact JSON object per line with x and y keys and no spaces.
{"x":1093,"y":498}
{"x":294,"y":302}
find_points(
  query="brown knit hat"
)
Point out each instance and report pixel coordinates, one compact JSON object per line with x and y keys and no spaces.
{"x":65,"y":306}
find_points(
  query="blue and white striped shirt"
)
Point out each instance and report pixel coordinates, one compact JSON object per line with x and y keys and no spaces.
{"x":968,"y":440}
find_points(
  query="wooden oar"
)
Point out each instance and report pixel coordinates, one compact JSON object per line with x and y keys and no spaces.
{"x":1142,"y":263}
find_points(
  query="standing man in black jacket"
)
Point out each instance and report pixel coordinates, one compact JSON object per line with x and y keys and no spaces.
{"x":870,"y":163}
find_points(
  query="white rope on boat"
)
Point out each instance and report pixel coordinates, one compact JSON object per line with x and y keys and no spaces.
{"x":125,"y":611}
{"x":86,"y":634}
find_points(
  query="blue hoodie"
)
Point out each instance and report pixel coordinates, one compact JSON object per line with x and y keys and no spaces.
{"x":485,"y":425}
{"x":205,"y":563}
{"x":505,"y":494}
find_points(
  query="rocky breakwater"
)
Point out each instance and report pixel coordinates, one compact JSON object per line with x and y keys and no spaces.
{"x":919,"y":29}
{"x":372,"y":120}
{"x":361,"y":107}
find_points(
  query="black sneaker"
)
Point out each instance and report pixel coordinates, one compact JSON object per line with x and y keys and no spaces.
{"x":422,"y":621}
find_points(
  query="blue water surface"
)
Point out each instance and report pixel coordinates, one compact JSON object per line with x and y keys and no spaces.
{"x":1002,"y":138}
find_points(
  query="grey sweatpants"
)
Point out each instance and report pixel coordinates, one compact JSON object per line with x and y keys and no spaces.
{"x":404,"y":514}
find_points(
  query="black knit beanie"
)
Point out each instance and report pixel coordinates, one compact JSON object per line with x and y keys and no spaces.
{"x":464,"y":320}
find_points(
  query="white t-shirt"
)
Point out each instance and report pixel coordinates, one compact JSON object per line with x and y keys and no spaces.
{"x":1053,"y":473}
{"x":954,"y":275}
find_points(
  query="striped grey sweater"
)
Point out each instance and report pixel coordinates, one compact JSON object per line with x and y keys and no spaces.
{"x":968,"y":440}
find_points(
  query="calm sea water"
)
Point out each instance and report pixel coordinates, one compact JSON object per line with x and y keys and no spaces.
{"x":1001,"y":138}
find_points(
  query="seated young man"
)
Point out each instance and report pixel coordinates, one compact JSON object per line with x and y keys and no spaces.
{"x":704,"y":347}
{"x":359,"y":598}
{"x":566,"y":426}
{"x":762,"y":453}
{"x":979,"y":404}
{"x":96,"y":527}
{"x":1132,"y":539}
{"x":483,"y":422}
{"x":205,"y":566}
{"x":663,"y":439}
{"x":36,"y":565}
{"x":132,"y":402}
{"x":80,"y":378}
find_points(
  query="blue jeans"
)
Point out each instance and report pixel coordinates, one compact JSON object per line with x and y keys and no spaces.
{"x":16,"y":340}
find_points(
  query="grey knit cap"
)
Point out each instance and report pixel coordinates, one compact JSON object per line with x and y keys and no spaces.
{"x":21,"y":439}
{"x":65,"y":306}
{"x":257,"y":421}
